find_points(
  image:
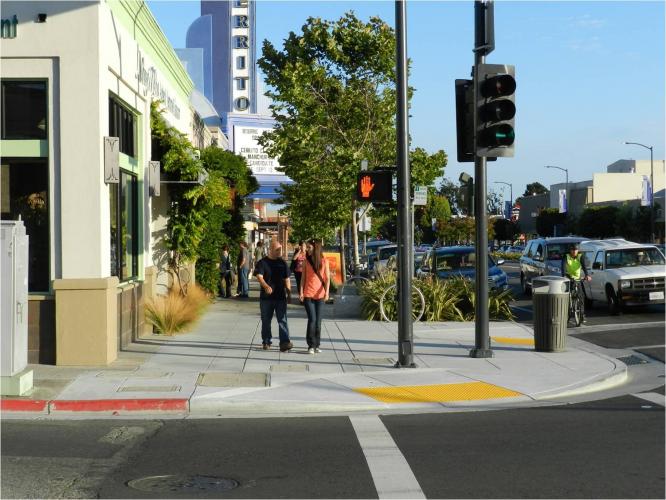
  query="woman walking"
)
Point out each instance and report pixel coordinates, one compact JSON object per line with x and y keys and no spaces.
{"x":297,"y":263}
{"x":313,"y":292}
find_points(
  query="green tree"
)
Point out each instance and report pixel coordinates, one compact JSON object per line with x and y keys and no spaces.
{"x":334,"y":102}
{"x":535,"y":188}
{"x":547,"y":219}
{"x":224,"y":223}
{"x":438,"y":209}
{"x":598,"y":222}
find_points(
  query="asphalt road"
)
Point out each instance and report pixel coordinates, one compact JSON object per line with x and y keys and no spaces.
{"x":596,"y":316}
{"x":606,"y":449}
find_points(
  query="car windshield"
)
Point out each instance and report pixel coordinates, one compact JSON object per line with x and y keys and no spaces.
{"x":555,"y":251}
{"x":633,"y":257}
{"x":453,"y":261}
{"x":385,"y":253}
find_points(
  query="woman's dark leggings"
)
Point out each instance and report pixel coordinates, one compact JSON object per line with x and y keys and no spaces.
{"x":313,"y":310}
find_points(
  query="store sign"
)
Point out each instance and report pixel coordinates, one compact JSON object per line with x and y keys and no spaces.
{"x":154,"y":178}
{"x":149,"y":83}
{"x":246,"y":144}
{"x":420,"y":195}
{"x":9,"y":27}
{"x":111,"y":160}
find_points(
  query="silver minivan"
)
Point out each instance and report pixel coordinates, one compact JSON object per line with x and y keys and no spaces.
{"x":543,"y":257}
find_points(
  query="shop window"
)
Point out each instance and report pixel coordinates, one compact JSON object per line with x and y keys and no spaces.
{"x":24,"y":110}
{"x":124,"y":227}
{"x":121,"y":125}
{"x":24,"y":195}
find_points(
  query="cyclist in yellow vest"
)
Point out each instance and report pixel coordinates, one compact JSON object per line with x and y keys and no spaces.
{"x":573,"y":266}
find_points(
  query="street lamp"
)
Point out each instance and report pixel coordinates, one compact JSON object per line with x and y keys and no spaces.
{"x":651,"y":188}
{"x":566,"y":188}
{"x":510,"y":195}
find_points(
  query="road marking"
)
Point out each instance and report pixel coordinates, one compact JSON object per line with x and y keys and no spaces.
{"x":390,"y":471}
{"x":438,"y":393}
{"x":652,"y":397}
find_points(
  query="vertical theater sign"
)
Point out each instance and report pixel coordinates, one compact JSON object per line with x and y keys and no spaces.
{"x":240,"y":51}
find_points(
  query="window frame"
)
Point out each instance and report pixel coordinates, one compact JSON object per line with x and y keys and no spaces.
{"x":119,"y":114}
{"x":117,"y":236}
{"x":3,"y":128}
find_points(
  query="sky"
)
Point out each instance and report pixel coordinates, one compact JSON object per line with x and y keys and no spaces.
{"x":589,"y":75}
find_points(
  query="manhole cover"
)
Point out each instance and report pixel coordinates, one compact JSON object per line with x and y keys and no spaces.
{"x":187,"y":484}
{"x":632,"y":360}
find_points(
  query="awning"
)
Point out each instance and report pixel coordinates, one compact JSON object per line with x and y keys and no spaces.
{"x":269,"y":186}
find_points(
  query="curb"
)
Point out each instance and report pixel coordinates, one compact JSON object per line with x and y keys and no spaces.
{"x":94,"y":405}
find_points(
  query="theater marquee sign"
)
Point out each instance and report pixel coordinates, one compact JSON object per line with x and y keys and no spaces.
{"x":246,"y":144}
{"x":241,"y":46}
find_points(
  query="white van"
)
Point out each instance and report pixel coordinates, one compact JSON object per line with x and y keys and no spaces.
{"x":623,"y":273}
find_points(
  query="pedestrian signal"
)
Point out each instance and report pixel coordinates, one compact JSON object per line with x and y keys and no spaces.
{"x":375,"y":186}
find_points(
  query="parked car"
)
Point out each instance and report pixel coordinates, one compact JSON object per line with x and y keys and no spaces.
{"x":515,"y":249}
{"x":383,"y":254}
{"x":543,"y":257}
{"x":446,"y":262}
{"x":623,"y":273}
{"x":392,"y":262}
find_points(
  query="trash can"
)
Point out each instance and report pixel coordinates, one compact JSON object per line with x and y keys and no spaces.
{"x":550,"y":303}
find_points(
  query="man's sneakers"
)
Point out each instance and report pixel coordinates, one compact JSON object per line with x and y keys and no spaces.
{"x":311,"y":350}
{"x":265,"y":347}
{"x":286,"y":346}
{"x":317,"y":350}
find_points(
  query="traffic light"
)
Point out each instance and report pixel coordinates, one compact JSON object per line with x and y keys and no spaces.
{"x":496,"y":110}
{"x":375,"y":186}
{"x":467,"y":192}
{"x":465,"y":120}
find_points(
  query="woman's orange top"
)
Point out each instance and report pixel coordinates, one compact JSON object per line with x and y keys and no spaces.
{"x":313,"y":288}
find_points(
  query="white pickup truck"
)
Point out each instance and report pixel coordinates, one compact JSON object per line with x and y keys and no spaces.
{"x":623,"y":273}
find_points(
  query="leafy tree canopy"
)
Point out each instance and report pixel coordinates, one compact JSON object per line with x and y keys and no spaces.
{"x":334,"y":102}
{"x":535,"y":188}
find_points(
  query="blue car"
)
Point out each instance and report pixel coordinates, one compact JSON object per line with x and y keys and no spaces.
{"x":446,"y":262}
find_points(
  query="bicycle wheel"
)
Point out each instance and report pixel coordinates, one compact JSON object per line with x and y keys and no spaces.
{"x":576,"y":307}
{"x":388,"y":304}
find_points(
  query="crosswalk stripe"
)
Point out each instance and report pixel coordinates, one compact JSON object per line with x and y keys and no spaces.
{"x":652,"y":397}
{"x":390,"y":471}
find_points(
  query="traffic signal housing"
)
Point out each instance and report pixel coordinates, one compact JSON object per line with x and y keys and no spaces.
{"x":465,"y":121}
{"x":467,"y":193}
{"x":496,"y":110}
{"x":375,"y":186}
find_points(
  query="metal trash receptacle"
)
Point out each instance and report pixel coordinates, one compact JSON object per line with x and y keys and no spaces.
{"x":550,"y":305}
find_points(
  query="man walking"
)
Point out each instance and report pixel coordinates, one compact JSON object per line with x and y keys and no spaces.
{"x":272,"y":272}
{"x":243,"y":264}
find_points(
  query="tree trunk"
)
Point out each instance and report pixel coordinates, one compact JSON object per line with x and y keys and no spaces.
{"x":357,"y":262}
{"x":343,"y":263}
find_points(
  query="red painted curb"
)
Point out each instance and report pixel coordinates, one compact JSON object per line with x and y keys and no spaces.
{"x":120,"y":405}
{"x":23,"y":404}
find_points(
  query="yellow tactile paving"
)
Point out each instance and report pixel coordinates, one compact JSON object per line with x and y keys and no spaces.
{"x":513,"y":340}
{"x":440,"y":393}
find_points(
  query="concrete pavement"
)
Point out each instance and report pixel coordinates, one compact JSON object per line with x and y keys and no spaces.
{"x":219,"y":369}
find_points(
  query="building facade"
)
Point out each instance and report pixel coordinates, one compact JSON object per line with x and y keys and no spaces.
{"x":76,"y":75}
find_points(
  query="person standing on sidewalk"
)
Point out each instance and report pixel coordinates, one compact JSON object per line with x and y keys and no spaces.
{"x":243,"y":264}
{"x":297,"y":263}
{"x":258,"y":254}
{"x":313,"y":292}
{"x":225,"y":273}
{"x":273,"y":274}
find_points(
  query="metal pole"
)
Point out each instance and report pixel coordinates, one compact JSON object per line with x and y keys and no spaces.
{"x":405,"y":332}
{"x":652,"y":235}
{"x":481,"y":331}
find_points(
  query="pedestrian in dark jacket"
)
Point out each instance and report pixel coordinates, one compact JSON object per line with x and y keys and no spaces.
{"x":225,"y":273}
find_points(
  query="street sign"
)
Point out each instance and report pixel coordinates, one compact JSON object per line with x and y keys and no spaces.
{"x":420,"y":195}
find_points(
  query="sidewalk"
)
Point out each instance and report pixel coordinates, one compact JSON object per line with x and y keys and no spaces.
{"x":219,"y":369}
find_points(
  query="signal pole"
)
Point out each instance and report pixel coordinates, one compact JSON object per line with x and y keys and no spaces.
{"x":484,"y":43}
{"x":405,"y":246}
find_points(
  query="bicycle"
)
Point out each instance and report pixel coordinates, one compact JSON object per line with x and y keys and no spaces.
{"x":388,"y":304}
{"x":576,"y":301}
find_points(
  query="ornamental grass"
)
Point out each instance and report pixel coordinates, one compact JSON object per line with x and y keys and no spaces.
{"x":451,"y":299}
{"x":176,"y":312}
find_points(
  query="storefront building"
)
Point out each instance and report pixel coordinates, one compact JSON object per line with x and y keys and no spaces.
{"x":73,"y":75}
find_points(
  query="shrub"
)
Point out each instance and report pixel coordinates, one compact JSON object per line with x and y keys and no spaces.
{"x":175,"y":312}
{"x":506,"y":255}
{"x":452,"y":299}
